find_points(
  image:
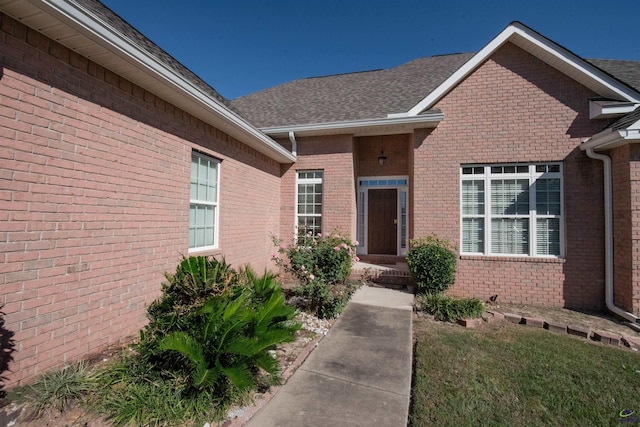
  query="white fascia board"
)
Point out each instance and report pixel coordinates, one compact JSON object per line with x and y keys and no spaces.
{"x":523,"y":37}
{"x":599,"y":109}
{"x":83,"y":20}
{"x":353,"y":126}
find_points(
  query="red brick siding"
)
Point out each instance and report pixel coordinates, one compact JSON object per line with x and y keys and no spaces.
{"x":515,"y":108}
{"x":396,"y":149}
{"x":622,"y":227}
{"x":626,"y":217}
{"x":94,"y":198}
{"x":333,"y":155}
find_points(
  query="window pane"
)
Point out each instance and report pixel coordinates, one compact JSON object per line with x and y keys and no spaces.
{"x":510,"y":197}
{"x":473,"y":197}
{"x":548,"y":236}
{"x":510,"y":236}
{"x":473,"y":235}
{"x":548,"y":197}
{"x":203,"y":188}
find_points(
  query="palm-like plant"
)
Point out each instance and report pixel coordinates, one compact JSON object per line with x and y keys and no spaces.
{"x":236,"y":332}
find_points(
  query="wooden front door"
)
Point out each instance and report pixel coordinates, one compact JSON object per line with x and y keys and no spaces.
{"x":383,"y":222}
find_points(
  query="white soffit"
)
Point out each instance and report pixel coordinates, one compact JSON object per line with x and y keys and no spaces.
{"x":545,"y":50}
{"x":72,"y":25}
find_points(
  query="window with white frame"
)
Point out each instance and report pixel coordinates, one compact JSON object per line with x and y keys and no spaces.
{"x":203,"y":207}
{"x":309,"y":206}
{"x":512,"y":210}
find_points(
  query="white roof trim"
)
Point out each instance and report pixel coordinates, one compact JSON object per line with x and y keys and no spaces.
{"x":604,"y":108}
{"x":160,"y":79}
{"x":382,"y":126}
{"x":547,"y":51}
{"x":611,"y":138}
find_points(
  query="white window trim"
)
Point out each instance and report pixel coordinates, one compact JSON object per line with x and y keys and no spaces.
{"x":216,"y":204}
{"x":532,"y":175}
{"x":307,"y":181}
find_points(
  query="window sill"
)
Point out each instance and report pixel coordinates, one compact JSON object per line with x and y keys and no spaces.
{"x":542,"y":260}
{"x":209,"y":250}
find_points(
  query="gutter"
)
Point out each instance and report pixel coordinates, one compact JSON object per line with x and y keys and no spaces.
{"x":399,"y":124}
{"x":294,"y":143}
{"x":608,"y":242}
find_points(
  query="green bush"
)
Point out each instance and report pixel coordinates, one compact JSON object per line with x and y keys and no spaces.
{"x":219,"y":323}
{"x":233,"y":338}
{"x":450,"y":309}
{"x":327,"y":257}
{"x":432,"y":263}
{"x":324,"y":300}
{"x":322,"y":264}
{"x":206,"y":345}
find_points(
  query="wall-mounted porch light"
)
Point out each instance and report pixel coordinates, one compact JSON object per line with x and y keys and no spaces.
{"x":382,"y":158}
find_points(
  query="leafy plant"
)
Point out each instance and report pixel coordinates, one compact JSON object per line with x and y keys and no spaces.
{"x":327,"y":257}
{"x":129,"y":397}
{"x":432,"y":263}
{"x":56,"y":389}
{"x":234,"y":339}
{"x":196,"y":280}
{"x":206,"y":345}
{"x":324,"y":300}
{"x":449,"y":309}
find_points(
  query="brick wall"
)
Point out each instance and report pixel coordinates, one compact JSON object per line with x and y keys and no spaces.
{"x":515,"y":108}
{"x":396,"y":149}
{"x":622,"y":227}
{"x":334,"y":155}
{"x":626,"y":217}
{"x":94,"y":200}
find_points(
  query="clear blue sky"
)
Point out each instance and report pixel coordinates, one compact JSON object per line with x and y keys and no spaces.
{"x":242,"y":46}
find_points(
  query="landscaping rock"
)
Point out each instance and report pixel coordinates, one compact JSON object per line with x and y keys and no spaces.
{"x":606,"y":338}
{"x":631,"y":342}
{"x":513,"y":318}
{"x":533,"y":321}
{"x":496,"y":314}
{"x":578,"y":331}
{"x":470,"y":323}
{"x":556,"y":327}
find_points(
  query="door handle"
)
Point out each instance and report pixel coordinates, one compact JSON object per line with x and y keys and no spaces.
{"x":395,"y":221}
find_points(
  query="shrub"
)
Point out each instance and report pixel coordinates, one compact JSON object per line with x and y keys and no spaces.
{"x":234,"y":337}
{"x":213,"y":327}
{"x":57,"y":389}
{"x":206,"y":345}
{"x":322,"y":264}
{"x":327,"y":257}
{"x":432,"y":262}
{"x":196,"y":280}
{"x":450,"y":309}
{"x":324,"y":300}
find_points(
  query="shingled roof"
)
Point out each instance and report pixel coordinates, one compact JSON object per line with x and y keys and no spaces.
{"x":354,"y":96}
{"x":372,"y":94}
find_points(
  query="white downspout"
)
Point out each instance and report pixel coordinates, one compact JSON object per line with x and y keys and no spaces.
{"x":608,"y":238}
{"x":294,"y":143}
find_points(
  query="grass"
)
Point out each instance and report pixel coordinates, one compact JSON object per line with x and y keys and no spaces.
{"x":57,"y":389}
{"x":509,"y":375}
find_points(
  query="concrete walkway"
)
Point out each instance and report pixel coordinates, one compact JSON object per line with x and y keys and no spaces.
{"x":360,"y":373}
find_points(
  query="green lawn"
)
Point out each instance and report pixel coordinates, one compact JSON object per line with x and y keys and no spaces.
{"x":510,"y":375}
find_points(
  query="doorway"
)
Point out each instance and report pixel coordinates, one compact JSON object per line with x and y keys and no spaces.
{"x":382,"y":215}
{"x":383,"y":221}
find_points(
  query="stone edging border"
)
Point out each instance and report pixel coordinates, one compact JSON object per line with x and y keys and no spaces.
{"x":247,"y":412}
{"x":608,"y":338}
